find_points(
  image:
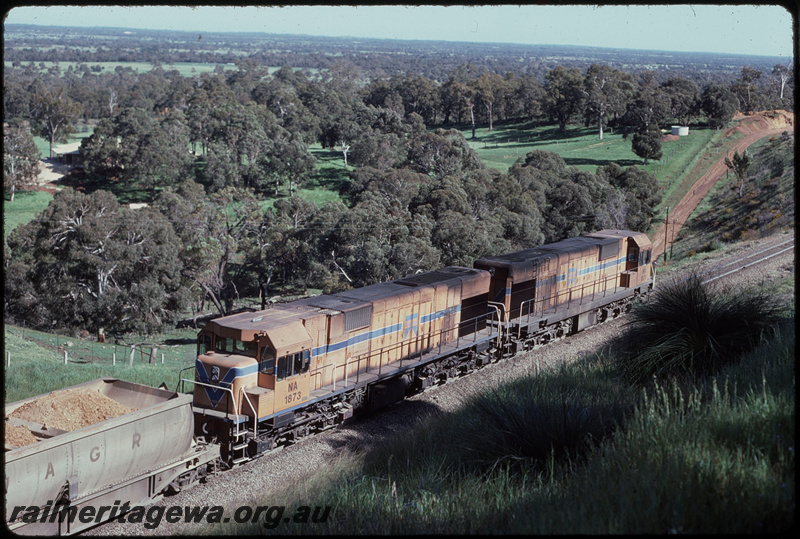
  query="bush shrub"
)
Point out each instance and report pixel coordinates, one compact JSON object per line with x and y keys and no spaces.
{"x":691,"y":329}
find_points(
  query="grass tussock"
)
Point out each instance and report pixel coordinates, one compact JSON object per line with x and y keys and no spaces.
{"x":692,"y":329}
{"x":529,"y":421}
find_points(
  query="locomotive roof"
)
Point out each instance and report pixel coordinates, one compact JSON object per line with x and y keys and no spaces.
{"x":350,"y":299}
{"x":528,"y":260}
{"x":245,"y":325}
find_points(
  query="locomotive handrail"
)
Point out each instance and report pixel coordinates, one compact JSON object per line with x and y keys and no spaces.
{"x":379,"y":352}
{"x":502,"y":317}
{"x":179,"y":385}
{"x":597,"y":291}
{"x":229,"y":390}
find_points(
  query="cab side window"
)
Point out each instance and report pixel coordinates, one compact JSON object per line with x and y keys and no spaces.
{"x":267,"y":361}
{"x":224,"y":344}
{"x":203,"y":343}
{"x":293,"y":364}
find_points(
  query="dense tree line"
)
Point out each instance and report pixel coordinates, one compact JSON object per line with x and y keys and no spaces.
{"x":211,"y":149}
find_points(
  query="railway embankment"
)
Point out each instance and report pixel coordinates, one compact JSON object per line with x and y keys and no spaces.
{"x":753,"y":128}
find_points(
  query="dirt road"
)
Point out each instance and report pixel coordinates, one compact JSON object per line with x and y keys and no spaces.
{"x":754,"y":127}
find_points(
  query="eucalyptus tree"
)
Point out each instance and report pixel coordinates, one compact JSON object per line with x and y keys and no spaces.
{"x":683,"y":97}
{"x":647,"y":145}
{"x":86,"y":262}
{"x":380,"y":139}
{"x":606,"y":91}
{"x":746,"y":88}
{"x":247,"y":75}
{"x":563,"y":98}
{"x":459,"y":96}
{"x":383,"y":92}
{"x":640,"y":195}
{"x":280,"y":93}
{"x":442,"y":152}
{"x":784,"y":73}
{"x":287,"y":161}
{"x":210,"y":93}
{"x":650,"y":106}
{"x":21,"y":165}
{"x":565,"y":196}
{"x":150,"y":90}
{"x":212,"y":229}
{"x":740,"y":165}
{"x":526,"y":100}
{"x":514,"y":207}
{"x":276,"y":248}
{"x":398,"y":186}
{"x":489,"y":89}
{"x":417,"y":94}
{"x":52,"y":111}
{"x":140,"y":148}
{"x":719,"y":104}
{"x":461,"y":241}
{"x":16,"y":95}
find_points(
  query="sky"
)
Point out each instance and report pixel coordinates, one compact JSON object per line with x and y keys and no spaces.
{"x":758,"y":29}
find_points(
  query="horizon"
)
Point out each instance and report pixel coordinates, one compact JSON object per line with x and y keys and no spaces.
{"x":742,"y":30}
{"x":425,"y":40}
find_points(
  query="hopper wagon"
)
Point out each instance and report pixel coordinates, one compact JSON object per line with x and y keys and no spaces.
{"x":135,"y":458}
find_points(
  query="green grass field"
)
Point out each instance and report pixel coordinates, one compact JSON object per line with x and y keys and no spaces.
{"x":581,"y":147}
{"x":24,"y":208}
{"x":34,"y":361}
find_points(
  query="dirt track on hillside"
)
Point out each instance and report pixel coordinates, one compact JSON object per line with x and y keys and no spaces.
{"x":754,"y":127}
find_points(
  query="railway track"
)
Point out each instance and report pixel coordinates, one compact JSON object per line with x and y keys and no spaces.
{"x":748,"y":261}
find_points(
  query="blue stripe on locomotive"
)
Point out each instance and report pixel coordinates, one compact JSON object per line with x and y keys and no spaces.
{"x":562,"y":277}
{"x":215,"y":394}
{"x":382,"y":332}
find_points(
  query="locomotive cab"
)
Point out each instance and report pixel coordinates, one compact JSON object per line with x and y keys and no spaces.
{"x":637,"y":263}
{"x":252,"y":371}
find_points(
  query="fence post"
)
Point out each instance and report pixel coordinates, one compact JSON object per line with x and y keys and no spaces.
{"x":162,"y":359}
{"x":133,"y":351}
{"x":65,"y":357}
{"x":153,"y":351}
{"x":113,"y":358}
{"x":9,"y":359}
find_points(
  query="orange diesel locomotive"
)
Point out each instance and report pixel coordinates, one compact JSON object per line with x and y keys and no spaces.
{"x":272,"y":377}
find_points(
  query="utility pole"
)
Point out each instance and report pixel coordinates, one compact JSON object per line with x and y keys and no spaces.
{"x":672,"y":243}
{"x":666,"y":234}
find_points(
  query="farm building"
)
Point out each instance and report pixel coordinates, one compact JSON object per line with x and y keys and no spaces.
{"x":68,"y":154}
